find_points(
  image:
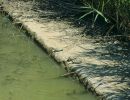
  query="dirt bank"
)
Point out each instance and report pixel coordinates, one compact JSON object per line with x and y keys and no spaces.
{"x":91,"y":61}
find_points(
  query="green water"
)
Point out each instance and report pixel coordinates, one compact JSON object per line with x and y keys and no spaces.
{"x":27,"y":73}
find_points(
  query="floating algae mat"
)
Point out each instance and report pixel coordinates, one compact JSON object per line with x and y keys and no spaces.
{"x":27,"y":73}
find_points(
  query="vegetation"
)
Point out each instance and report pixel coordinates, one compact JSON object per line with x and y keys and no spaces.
{"x":116,"y":13}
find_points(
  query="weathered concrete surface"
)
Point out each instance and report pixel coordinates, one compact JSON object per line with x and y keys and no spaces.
{"x":96,"y":67}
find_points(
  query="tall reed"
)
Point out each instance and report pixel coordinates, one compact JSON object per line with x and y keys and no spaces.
{"x":116,"y":12}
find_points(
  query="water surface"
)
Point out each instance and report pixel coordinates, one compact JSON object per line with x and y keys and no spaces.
{"x":27,"y":73}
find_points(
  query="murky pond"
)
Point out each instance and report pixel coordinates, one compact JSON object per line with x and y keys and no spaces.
{"x":27,"y":73}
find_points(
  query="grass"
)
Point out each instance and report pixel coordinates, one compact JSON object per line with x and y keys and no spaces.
{"x":114,"y":12}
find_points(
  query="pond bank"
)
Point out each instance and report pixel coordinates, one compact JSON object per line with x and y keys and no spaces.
{"x":79,"y":54}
